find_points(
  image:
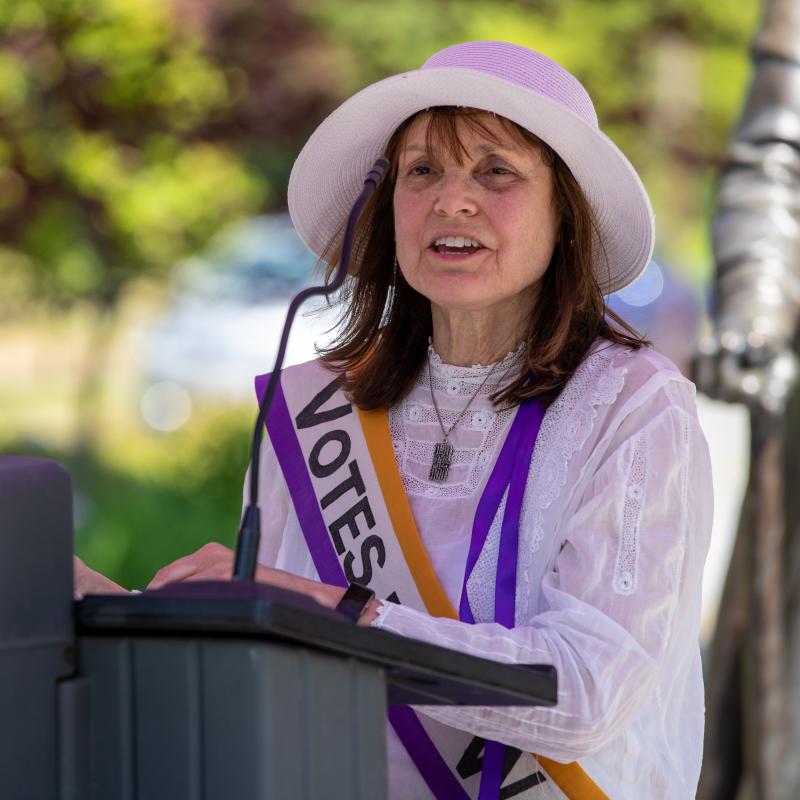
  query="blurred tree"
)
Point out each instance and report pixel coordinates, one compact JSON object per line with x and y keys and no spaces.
{"x":284,"y":73}
{"x":105,"y":169}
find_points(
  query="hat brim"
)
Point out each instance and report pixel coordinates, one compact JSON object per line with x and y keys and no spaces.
{"x":330,"y":169}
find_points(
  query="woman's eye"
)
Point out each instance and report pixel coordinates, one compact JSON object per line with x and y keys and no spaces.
{"x":420,"y":169}
{"x":500,"y":171}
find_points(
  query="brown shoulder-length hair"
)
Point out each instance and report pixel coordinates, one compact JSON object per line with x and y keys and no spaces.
{"x":385,"y":326}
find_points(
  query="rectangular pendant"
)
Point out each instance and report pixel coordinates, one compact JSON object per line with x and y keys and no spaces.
{"x":442,"y":458}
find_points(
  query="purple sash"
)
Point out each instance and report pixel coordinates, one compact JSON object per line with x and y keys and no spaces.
{"x":509,"y":474}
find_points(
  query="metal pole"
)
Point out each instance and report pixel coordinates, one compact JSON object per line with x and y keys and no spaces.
{"x":765,"y":655}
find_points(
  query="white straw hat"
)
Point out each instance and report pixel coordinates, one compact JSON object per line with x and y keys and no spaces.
{"x":506,"y":79}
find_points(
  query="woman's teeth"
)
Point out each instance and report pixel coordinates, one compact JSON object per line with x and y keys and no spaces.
{"x":455,"y":245}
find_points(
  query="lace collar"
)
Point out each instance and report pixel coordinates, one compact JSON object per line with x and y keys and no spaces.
{"x":476,"y":372}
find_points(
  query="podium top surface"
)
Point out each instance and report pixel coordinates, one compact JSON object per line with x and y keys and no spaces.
{"x":417,"y":673}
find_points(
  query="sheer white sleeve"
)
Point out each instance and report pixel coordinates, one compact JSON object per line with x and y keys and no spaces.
{"x":623,"y":598}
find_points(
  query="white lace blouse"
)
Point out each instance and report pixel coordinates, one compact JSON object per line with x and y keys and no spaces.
{"x":614,"y":531}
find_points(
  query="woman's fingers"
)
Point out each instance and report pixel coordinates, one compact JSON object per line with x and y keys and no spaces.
{"x":176,"y":571}
{"x":213,"y":561}
{"x":87,"y":581}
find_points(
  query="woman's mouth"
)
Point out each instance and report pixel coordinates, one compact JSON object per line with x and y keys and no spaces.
{"x":456,"y":246}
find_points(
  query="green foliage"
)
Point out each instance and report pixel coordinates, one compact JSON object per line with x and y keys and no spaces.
{"x":108,"y":169}
{"x":141,"y":504}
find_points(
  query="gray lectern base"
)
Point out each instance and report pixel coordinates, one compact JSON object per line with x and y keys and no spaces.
{"x":231,"y":719}
{"x":36,"y":627}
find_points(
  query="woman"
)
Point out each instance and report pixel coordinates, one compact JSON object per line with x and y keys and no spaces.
{"x":546,"y":494}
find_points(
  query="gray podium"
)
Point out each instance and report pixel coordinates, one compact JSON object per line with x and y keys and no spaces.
{"x":200,"y":691}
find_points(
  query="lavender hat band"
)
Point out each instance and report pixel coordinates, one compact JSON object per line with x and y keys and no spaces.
{"x":526,"y":68}
{"x":506,"y":79}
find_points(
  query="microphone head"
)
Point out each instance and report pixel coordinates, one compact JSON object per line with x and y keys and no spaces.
{"x":379,"y":168}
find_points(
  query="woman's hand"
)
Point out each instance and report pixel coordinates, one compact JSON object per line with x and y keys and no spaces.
{"x":87,"y":581}
{"x":214,"y":561}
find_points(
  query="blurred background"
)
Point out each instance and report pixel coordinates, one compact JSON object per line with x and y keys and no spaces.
{"x":146,"y":259}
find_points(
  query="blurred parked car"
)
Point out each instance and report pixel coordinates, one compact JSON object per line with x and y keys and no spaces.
{"x":224,"y":321}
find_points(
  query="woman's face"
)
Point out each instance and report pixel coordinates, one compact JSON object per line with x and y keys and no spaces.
{"x":476,"y":235}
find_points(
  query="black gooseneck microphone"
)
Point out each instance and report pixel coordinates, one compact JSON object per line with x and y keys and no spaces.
{"x":244,"y":565}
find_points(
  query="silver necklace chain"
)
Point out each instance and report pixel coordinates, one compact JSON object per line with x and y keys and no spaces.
{"x":443,"y":451}
{"x":466,"y":407}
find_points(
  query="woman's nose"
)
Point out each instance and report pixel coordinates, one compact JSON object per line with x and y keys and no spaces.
{"x":454,"y":197}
